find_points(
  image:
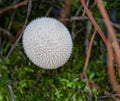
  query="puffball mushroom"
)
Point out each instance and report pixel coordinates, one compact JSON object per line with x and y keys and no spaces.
{"x":47,"y":43}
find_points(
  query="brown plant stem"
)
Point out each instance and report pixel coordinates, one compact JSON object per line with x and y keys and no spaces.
{"x":88,"y":12}
{"x":89,"y":50}
{"x":65,"y":10}
{"x":111,"y":32}
{"x":20,"y":32}
{"x":111,"y":71}
{"x":112,"y":44}
{"x":109,"y":48}
{"x":25,"y":2}
{"x":97,"y":28}
{"x":6,"y":32}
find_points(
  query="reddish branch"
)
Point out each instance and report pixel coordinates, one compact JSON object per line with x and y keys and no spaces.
{"x":20,"y":32}
{"x":88,"y":52}
{"x":111,"y":32}
{"x":87,"y":58}
{"x":88,"y":12}
{"x":14,"y":6}
{"x":97,"y":29}
{"x":112,"y":38}
{"x":111,"y":71}
{"x":65,"y":10}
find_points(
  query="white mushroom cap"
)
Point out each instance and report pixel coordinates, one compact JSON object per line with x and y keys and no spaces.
{"x":47,"y":43}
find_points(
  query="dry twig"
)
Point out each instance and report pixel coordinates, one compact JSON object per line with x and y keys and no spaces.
{"x":6,"y":32}
{"x":76,"y":18}
{"x":20,"y":32}
{"x":89,"y":26}
{"x":88,"y":54}
{"x":94,"y":22}
{"x":111,"y":44}
{"x":14,"y":6}
{"x":109,"y":47}
{"x":111,"y":33}
{"x":109,"y":95}
{"x":11,"y":92}
{"x":65,"y":10}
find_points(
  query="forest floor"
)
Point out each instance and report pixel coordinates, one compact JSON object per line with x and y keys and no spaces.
{"x":21,"y":80}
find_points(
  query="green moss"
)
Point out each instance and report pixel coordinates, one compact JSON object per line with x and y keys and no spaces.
{"x":31,"y":83}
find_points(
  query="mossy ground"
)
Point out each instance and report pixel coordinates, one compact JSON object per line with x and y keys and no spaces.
{"x":31,"y":83}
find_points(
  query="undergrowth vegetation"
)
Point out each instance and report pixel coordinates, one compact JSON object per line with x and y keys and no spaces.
{"x":19,"y":76}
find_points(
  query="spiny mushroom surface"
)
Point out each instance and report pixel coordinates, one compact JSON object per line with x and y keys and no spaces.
{"x":47,"y":43}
